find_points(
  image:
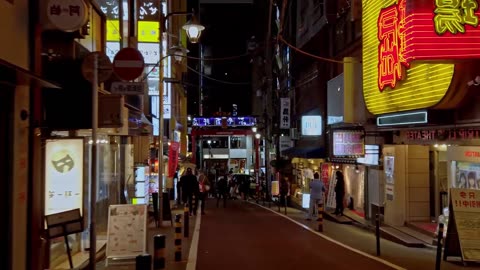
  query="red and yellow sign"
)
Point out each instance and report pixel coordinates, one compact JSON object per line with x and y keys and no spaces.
{"x":409,"y":48}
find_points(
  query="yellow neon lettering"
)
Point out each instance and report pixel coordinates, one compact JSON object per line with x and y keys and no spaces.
{"x":448,"y":17}
{"x":469,"y":17}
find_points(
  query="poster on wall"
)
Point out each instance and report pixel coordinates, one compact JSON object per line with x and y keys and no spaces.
{"x":389,"y":165}
{"x":463,"y":231}
{"x":467,"y":175}
{"x":127,"y":231}
{"x":64,"y":174}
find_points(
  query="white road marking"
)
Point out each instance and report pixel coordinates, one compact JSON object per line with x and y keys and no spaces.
{"x":332,"y":240}
{"x":192,"y":255}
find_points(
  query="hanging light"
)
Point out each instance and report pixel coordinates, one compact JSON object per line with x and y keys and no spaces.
{"x":193,"y":29}
{"x":178,"y":53}
{"x":254,"y":129}
{"x":258,"y":136}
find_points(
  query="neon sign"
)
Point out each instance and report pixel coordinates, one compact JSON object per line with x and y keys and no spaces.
{"x":452,"y":15}
{"x":410,"y":49}
{"x":391,"y":34}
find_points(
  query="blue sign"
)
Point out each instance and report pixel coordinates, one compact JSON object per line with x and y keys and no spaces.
{"x":233,"y":121}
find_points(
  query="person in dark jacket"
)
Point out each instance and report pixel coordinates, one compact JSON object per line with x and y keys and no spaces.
{"x":222,"y":189}
{"x":339,"y":193}
{"x":190,"y":190}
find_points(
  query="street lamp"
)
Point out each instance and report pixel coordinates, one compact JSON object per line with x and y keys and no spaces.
{"x":194,"y":31}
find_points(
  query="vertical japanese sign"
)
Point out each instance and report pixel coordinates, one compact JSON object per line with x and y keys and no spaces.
{"x":64,"y":174}
{"x":173,"y":150}
{"x":465,"y":204}
{"x":285,"y":113}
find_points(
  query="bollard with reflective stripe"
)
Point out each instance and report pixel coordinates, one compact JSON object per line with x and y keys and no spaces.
{"x":159,"y":242}
{"x":143,"y":262}
{"x":178,"y":238}
{"x":186,"y":221}
{"x":320,"y":217}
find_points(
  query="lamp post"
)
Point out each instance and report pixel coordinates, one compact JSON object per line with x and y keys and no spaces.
{"x":194,"y":30}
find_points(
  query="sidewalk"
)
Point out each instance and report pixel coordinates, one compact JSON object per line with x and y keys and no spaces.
{"x":360,"y":238}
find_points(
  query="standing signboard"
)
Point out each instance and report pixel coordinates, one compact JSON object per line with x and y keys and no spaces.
{"x":128,"y":64}
{"x":463,"y":232}
{"x":127,"y":231}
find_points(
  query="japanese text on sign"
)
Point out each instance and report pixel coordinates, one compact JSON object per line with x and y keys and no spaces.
{"x":391,"y":34}
{"x":453,"y":15}
{"x":467,"y":200}
{"x":285,"y":113}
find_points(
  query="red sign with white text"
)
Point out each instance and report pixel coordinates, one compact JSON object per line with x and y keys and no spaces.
{"x":425,"y":30}
{"x":173,"y":150}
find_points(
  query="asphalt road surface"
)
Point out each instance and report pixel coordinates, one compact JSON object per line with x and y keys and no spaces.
{"x":245,"y":236}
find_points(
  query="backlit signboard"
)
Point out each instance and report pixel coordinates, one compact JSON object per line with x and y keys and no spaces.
{"x":64,"y":174}
{"x":347,"y":143}
{"x":401,"y":37}
{"x":312,"y":125}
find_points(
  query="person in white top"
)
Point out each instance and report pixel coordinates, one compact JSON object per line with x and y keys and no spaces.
{"x":317,"y":190}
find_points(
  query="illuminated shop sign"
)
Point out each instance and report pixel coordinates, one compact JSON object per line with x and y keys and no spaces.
{"x":311,"y":125}
{"x":400,"y":36}
{"x":443,"y":134}
{"x":348,"y":143}
{"x":64,"y":173}
{"x":245,"y":121}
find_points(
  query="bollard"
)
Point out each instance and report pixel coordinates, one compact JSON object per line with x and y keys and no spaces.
{"x":439,"y":246}
{"x":377,"y":232}
{"x":186,"y":221}
{"x":143,"y":262}
{"x":178,"y":238}
{"x":320,"y":217}
{"x":194,"y":205}
{"x":159,"y":242}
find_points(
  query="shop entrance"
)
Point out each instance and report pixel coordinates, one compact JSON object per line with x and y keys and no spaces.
{"x":6,"y":109}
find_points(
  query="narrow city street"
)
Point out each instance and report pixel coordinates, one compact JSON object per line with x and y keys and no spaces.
{"x":246,"y":236}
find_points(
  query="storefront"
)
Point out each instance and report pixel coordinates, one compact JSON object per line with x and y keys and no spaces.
{"x":418,"y":75}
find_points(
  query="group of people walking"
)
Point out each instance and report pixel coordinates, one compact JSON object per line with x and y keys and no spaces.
{"x":195,"y":188}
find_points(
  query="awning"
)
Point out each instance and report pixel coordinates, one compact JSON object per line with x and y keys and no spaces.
{"x":305,"y":152}
{"x":12,"y":74}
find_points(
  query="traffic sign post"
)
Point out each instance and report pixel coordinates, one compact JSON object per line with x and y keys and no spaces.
{"x":128,"y":64}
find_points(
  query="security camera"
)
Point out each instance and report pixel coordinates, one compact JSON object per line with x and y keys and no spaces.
{"x":475,"y":81}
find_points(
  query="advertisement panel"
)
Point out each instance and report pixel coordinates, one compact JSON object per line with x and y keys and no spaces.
{"x":64,"y":175}
{"x":348,"y":143}
{"x":467,"y":175}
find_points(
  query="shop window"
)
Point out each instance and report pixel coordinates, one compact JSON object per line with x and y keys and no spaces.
{"x":238,"y":142}
{"x":214,"y":143}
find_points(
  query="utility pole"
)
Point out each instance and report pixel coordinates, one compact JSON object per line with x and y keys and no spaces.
{"x":267,"y":98}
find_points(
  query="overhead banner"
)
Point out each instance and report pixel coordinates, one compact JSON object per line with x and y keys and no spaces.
{"x":285,"y":113}
{"x":64,"y":174}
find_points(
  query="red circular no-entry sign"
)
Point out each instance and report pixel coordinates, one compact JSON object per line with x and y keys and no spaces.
{"x":128,"y":64}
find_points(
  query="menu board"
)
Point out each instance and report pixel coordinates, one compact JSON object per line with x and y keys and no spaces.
{"x":465,"y":230}
{"x":127,"y":230}
{"x":348,"y":143}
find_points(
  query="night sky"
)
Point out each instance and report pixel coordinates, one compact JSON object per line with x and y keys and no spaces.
{"x":228,"y":27}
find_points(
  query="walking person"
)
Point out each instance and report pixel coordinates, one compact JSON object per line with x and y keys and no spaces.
{"x":190,"y":189}
{"x":222,"y":190}
{"x":284,"y":191}
{"x":317,"y":190}
{"x":339,"y":193}
{"x":204,"y":187}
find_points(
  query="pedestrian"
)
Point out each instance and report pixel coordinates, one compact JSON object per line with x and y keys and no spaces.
{"x":284,"y":191}
{"x":222,"y":190}
{"x":204,"y":187}
{"x":339,"y":193}
{"x":317,"y":189}
{"x":190,"y":190}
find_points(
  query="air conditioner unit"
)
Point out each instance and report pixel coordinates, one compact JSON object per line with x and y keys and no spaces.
{"x":294,"y":134}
